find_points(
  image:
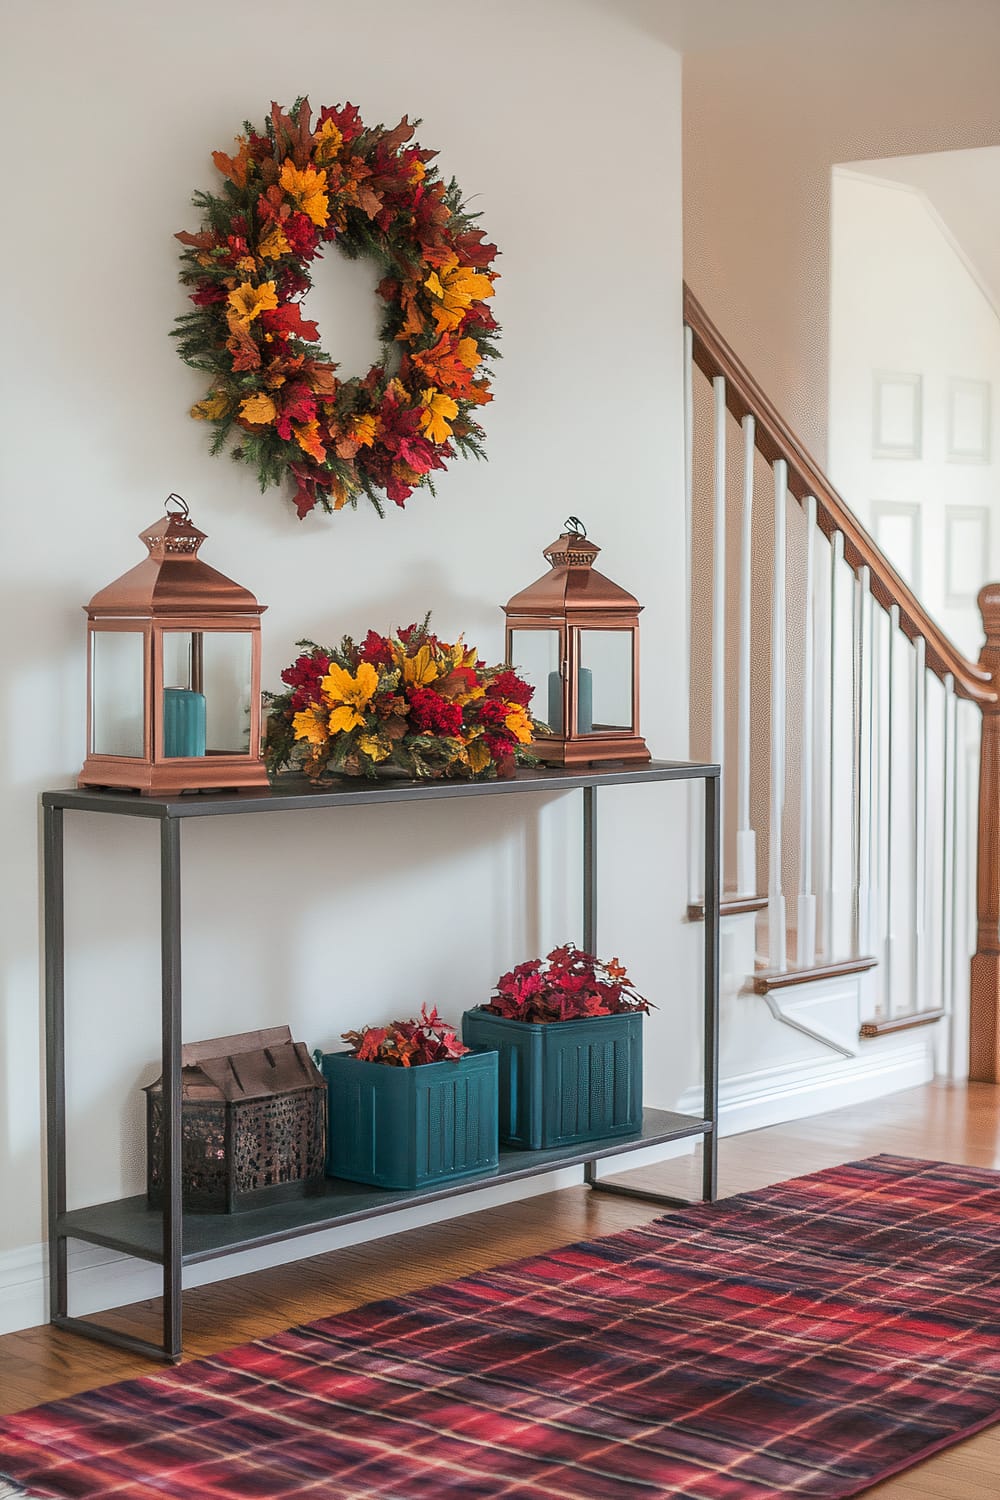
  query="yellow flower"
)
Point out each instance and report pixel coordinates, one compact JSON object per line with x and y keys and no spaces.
{"x":273,"y":243}
{"x":376,"y":746}
{"x":363,"y":430}
{"x":518,"y":723}
{"x":311,"y":724}
{"x":438,"y":413}
{"x":420,"y":668}
{"x":249,"y":301}
{"x":349,"y":695}
{"x":307,"y":189}
{"x":453,"y":287}
{"x":214,"y":405}
{"x":258,"y":408}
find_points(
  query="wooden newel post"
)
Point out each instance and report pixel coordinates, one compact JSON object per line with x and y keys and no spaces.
{"x":984,"y":987}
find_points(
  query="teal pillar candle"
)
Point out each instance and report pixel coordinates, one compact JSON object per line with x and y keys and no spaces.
{"x":183,"y":722}
{"x":584,"y":702}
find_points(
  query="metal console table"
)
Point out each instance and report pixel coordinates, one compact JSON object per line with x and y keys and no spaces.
{"x":168,"y":1239}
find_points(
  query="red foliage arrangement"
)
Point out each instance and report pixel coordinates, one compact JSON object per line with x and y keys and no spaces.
{"x":566,"y":986}
{"x":407,"y":1044}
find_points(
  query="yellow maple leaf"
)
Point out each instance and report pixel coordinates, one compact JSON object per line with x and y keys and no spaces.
{"x":344,"y":718}
{"x":438,"y":413}
{"x":311,"y":724}
{"x":258,"y":408}
{"x":420,"y":668}
{"x":453,"y":288}
{"x":249,"y":301}
{"x":468,"y":352}
{"x":375,"y":746}
{"x":214,"y":406}
{"x":308,"y":438}
{"x":364,"y":430}
{"x":478,"y":755}
{"x":307,"y":190}
{"x":273,"y":242}
{"x":329,"y":140}
{"x":518,"y":723}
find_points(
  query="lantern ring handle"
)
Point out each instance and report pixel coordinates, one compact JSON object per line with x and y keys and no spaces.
{"x":180,"y":506}
{"x":574,"y":525}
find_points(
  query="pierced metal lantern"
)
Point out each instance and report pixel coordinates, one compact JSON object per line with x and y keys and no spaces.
{"x":574,"y":635}
{"x":173,"y":672}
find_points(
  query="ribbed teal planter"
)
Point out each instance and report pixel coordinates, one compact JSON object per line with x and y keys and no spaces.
{"x":564,"y":1081}
{"x":411,"y":1127}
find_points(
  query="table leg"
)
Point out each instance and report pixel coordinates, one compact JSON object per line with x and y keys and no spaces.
{"x":55,"y":1056}
{"x":710,"y":1162}
{"x":170,"y":969}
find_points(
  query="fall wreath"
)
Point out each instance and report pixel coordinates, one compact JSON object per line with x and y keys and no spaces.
{"x":292,"y":188}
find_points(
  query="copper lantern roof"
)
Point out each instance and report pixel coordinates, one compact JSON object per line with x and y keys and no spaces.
{"x":572,"y":584}
{"x":172,"y":579}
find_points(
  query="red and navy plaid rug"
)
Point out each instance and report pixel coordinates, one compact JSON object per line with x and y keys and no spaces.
{"x":809,"y":1339}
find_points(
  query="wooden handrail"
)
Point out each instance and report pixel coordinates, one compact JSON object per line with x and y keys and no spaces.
{"x":775,"y":439}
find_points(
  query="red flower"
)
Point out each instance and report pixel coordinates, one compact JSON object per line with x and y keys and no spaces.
{"x":376,"y":649}
{"x":508,"y":685}
{"x":304,"y":676}
{"x":209,"y":292}
{"x":301,"y":234}
{"x":431,"y":714}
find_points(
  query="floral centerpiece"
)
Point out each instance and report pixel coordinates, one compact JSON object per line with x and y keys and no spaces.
{"x":566,"y":986}
{"x":410,"y":702}
{"x":408,"y":1044}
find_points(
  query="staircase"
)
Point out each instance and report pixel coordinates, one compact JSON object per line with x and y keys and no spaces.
{"x":849,"y":728}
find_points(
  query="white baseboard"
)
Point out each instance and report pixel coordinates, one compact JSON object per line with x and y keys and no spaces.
{"x":772,"y":1096}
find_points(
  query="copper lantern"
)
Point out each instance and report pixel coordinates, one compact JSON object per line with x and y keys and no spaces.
{"x":574,"y":635}
{"x":173,"y":672}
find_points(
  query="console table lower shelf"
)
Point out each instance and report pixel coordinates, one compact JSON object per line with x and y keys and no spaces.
{"x":131,"y":1227}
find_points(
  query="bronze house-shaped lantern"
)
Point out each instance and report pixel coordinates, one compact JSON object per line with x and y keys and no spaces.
{"x":173,"y":672}
{"x":574,"y":635}
{"x":253,"y":1123}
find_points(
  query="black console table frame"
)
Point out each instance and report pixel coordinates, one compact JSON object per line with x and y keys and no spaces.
{"x":168,"y":1239}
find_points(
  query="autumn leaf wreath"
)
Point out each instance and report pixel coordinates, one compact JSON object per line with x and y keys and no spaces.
{"x":292,"y":188}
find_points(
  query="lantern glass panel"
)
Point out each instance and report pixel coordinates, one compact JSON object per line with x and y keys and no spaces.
{"x":605,"y":688}
{"x":535,"y":654}
{"x":207,"y":679}
{"x":117,"y":702}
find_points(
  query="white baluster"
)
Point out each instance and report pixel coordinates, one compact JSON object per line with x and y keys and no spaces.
{"x":876,"y":841}
{"x":918,"y":984}
{"x":891,"y":968}
{"x":695,"y":804}
{"x":827,"y":843}
{"x":805,"y":954}
{"x":719,"y":604}
{"x":777,"y":956}
{"x":949,"y":873}
{"x":746,"y":838}
{"x":864,"y":761}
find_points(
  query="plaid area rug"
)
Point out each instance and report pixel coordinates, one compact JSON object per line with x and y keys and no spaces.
{"x":807,"y":1340}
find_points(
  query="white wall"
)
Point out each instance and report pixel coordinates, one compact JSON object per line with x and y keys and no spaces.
{"x":765,"y":122}
{"x":904,"y":302}
{"x":326,"y":921}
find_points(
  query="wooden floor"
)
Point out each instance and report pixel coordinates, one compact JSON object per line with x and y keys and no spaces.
{"x":939,"y":1121}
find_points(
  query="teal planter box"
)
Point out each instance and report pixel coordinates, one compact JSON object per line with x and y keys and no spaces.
{"x":411,"y":1127}
{"x":564,"y":1081}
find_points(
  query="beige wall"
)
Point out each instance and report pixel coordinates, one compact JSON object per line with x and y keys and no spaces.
{"x":762,"y":128}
